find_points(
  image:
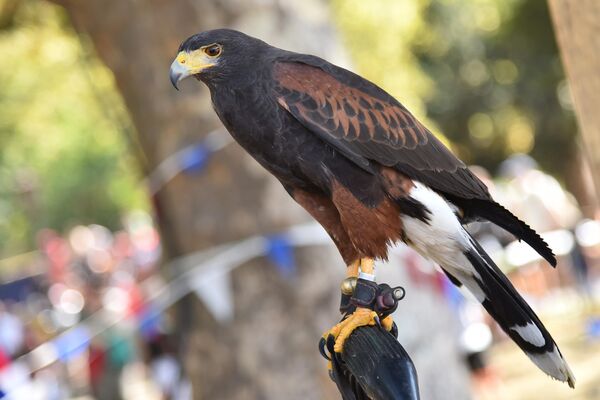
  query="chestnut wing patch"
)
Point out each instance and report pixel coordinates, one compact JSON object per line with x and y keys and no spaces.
{"x":370,"y":128}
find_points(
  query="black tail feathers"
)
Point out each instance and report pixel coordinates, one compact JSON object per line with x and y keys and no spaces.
{"x":494,"y":212}
{"x":514,"y":315}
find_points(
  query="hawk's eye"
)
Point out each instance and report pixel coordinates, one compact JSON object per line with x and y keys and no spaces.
{"x":213,"y":50}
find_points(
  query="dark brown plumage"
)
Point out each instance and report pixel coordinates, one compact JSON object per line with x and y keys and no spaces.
{"x":364,"y":167}
{"x":369,"y":125}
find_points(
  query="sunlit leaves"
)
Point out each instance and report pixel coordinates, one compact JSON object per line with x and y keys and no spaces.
{"x":503,"y":93}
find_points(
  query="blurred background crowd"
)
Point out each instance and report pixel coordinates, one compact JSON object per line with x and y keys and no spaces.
{"x":92,"y":285}
{"x":113,"y":187}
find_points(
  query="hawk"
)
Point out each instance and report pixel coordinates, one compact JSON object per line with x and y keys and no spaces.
{"x":368,"y":171}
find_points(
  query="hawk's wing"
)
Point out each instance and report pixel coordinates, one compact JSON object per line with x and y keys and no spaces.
{"x":366,"y":124}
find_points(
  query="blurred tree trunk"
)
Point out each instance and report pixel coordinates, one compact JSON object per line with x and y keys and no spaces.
{"x":577,"y":29}
{"x":269,"y":350}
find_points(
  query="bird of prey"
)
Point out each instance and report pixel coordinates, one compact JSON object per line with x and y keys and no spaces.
{"x":368,"y":171}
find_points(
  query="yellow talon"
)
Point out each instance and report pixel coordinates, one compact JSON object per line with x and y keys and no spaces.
{"x":343,"y":330}
{"x":387,"y":323}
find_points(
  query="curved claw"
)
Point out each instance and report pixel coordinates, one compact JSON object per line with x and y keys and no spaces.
{"x":331,"y":344}
{"x":322,"y":344}
{"x":377,"y":320}
{"x":394,"y":330}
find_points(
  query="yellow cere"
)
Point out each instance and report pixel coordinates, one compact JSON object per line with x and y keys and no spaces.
{"x":181,"y":57}
{"x":195,"y":61}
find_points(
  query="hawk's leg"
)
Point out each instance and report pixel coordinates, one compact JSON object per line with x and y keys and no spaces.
{"x":348,"y":286}
{"x":359,"y":303}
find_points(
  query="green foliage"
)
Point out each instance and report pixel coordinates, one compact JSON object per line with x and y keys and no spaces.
{"x":488,"y":72}
{"x":502,"y":68}
{"x":63,"y":159}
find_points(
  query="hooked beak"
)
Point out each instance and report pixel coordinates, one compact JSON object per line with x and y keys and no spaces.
{"x":188,"y":64}
{"x":177,"y":73}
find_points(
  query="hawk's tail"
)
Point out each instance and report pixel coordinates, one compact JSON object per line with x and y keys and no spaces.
{"x":431,"y":227}
{"x":514,"y":315}
{"x":497,"y":214}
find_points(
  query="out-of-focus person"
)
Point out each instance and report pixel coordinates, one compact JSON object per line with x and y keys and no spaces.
{"x":12,"y":332}
{"x":164,"y":368}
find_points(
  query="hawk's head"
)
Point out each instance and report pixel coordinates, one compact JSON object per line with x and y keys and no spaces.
{"x":220,"y":54}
